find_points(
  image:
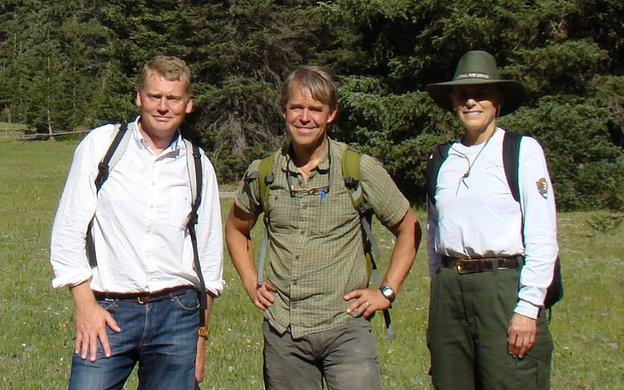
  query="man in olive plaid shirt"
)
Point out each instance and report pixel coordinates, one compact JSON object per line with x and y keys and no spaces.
{"x":316,"y":300}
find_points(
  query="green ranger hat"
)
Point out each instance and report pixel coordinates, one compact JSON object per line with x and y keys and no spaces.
{"x":478,"y":67}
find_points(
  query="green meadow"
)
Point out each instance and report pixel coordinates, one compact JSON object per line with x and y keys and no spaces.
{"x":36,"y":322}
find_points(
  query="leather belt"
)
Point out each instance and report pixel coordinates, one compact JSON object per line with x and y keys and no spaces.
{"x":143,"y":297}
{"x":468,"y":266}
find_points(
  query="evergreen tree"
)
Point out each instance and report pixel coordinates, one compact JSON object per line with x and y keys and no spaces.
{"x":73,"y":64}
{"x":390,"y":50}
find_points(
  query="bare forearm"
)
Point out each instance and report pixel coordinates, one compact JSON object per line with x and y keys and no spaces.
{"x":83,"y":296}
{"x":408,"y":235}
{"x":204,"y":319}
{"x":240,"y":252}
{"x":238,"y":239}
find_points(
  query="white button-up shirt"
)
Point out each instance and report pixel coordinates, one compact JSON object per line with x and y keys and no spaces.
{"x":139,"y":220}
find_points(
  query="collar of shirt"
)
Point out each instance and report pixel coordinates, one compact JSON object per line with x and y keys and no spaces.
{"x":287,"y":162}
{"x":173,"y":150}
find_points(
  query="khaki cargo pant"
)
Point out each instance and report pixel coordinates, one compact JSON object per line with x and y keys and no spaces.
{"x":345,"y":358}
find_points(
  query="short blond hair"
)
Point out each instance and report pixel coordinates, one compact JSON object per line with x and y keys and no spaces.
{"x":170,"y":68}
{"x":315,"y":79}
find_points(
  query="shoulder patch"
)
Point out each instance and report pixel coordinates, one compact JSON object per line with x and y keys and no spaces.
{"x":542,"y":187}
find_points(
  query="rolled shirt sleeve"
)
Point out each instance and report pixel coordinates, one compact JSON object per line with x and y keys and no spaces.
{"x":76,"y":209}
{"x":537,"y":200}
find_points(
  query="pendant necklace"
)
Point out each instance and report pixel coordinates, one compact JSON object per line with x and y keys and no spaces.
{"x":470,"y":164}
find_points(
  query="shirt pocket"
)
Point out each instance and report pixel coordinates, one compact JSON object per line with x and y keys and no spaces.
{"x":282,"y":211}
{"x":332,"y":215}
{"x":174,"y":207}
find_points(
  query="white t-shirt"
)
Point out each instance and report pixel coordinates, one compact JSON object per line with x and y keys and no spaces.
{"x":476,"y":216}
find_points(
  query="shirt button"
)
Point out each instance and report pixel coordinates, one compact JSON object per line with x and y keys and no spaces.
{"x":297,"y":257}
{"x":294,"y":282}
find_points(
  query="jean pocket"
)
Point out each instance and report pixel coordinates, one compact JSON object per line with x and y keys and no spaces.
{"x":187,"y":301}
{"x":108,"y":304}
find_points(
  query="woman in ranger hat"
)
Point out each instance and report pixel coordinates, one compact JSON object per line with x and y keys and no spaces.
{"x":491,"y":258}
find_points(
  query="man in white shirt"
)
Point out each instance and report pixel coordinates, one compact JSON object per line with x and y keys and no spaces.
{"x":138,"y":300}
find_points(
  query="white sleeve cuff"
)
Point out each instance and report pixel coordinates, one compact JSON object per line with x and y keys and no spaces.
{"x":527,"y":309}
{"x":216,"y":287}
{"x":71,"y":280}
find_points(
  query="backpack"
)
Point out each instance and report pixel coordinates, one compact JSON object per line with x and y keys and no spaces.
{"x":118,"y":146}
{"x":511,"y":156}
{"x":350,"y":165}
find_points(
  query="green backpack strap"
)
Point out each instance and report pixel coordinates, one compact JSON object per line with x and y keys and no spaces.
{"x":265,"y":178}
{"x":353,"y":181}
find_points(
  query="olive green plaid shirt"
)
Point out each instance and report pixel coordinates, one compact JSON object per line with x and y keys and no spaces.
{"x":316,"y":252}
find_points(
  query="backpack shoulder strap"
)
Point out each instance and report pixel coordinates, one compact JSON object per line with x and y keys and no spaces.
{"x":116,"y":149}
{"x":352,"y":175}
{"x":114,"y":153}
{"x":195,"y":173}
{"x":353,"y":178}
{"x":511,"y":156}
{"x":265,"y":178}
{"x":437,"y":157}
{"x":194,"y":168}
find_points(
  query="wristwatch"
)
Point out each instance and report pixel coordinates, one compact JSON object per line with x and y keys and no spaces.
{"x":388,"y":293}
{"x":203,"y":332}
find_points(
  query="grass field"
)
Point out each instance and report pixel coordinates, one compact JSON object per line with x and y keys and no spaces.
{"x":12,"y":129}
{"x":36,"y":322}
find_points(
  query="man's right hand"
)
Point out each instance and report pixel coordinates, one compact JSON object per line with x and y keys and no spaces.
{"x":91,"y":323}
{"x":263,"y":297}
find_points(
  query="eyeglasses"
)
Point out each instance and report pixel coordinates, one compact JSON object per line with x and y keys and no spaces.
{"x":321,"y":191}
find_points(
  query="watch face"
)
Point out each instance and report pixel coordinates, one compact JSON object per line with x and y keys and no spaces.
{"x":388,"y":293}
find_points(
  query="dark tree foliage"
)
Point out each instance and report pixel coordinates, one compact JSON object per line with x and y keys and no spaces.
{"x":50,"y":58}
{"x":73,"y":64}
{"x":248,"y":49}
{"x":390,"y":50}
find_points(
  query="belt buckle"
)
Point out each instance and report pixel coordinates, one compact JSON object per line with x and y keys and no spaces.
{"x":140,"y":301}
{"x":460,"y":270}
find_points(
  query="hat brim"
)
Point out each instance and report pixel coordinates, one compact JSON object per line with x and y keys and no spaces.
{"x":513,"y":91}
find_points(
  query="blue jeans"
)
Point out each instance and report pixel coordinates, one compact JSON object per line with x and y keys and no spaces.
{"x":160,"y":336}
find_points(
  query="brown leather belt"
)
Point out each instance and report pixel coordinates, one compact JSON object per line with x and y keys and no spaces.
{"x":468,"y":266}
{"x":142,"y":298}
